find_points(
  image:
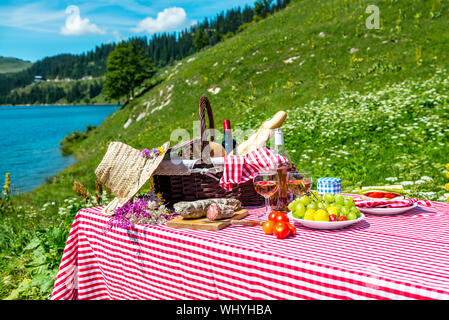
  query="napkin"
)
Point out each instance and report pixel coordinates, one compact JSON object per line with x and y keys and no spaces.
{"x":239,"y":169}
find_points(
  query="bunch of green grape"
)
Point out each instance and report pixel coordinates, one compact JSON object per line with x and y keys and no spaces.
{"x":324,"y":208}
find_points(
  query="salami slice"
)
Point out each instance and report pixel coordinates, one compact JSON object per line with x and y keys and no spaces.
{"x":219,"y":211}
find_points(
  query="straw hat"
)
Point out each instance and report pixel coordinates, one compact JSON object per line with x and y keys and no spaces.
{"x":124,"y":171}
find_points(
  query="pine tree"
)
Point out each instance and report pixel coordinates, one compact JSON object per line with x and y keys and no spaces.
{"x":200,"y":40}
{"x":262,"y":8}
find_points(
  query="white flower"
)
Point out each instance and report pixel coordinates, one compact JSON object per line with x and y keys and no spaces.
{"x":214,"y":90}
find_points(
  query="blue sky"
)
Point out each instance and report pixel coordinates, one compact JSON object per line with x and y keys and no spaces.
{"x":32,"y":30}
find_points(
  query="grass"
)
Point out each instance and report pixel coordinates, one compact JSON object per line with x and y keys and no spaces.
{"x":10,"y":65}
{"x":367,"y":105}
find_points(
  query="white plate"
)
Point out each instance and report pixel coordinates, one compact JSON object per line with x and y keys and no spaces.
{"x":326,"y":225}
{"x":387,"y":211}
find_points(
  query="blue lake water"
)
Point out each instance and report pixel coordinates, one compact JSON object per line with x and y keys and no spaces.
{"x":30,"y":136}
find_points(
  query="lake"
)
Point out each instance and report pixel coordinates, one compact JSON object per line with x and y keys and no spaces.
{"x":30,"y":136}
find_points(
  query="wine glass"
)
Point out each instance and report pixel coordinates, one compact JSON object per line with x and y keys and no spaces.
{"x":299,"y":182}
{"x":266,"y":184}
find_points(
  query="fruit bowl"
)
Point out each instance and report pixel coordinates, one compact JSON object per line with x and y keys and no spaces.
{"x":326,"y":225}
{"x":326,"y":211}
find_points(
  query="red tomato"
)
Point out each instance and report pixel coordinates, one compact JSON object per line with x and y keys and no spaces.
{"x":272,"y":215}
{"x":281,"y":230}
{"x":332,"y":217}
{"x":390,"y":195}
{"x":292,"y":229}
{"x":282,"y":217}
{"x":342,"y":218}
{"x":268,"y":227}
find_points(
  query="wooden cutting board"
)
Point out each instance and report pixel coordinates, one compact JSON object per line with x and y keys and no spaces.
{"x":199,"y":224}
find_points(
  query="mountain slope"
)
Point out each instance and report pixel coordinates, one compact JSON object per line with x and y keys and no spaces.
{"x":366,"y":105}
{"x":10,"y":65}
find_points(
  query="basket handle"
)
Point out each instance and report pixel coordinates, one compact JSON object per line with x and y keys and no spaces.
{"x":203,"y":106}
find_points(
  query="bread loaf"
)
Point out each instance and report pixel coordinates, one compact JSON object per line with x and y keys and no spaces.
{"x":260,"y":138}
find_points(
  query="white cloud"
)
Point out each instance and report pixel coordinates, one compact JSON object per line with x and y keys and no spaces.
{"x":168,"y":20}
{"x":75,"y":25}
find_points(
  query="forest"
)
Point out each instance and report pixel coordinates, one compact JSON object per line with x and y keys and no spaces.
{"x":163,"y":49}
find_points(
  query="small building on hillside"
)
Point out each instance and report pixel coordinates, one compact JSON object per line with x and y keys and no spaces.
{"x":39,"y":78}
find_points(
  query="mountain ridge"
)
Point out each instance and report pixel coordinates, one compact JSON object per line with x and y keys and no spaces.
{"x":11,"y":64}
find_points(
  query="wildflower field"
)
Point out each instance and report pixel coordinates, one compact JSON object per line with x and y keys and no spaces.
{"x":370,"y":106}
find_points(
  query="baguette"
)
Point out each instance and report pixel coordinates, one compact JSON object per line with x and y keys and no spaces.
{"x":265,"y":132}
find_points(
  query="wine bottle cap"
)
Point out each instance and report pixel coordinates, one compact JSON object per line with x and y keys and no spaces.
{"x":226,"y":124}
{"x":278,"y":137}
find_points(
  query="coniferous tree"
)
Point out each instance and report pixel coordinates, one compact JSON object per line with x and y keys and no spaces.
{"x":262,"y":8}
{"x":200,"y":40}
{"x":162,"y":49}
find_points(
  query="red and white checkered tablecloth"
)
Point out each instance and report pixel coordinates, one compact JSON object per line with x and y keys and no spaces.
{"x":384,"y":257}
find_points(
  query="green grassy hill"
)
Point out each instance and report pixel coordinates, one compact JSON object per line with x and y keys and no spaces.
{"x":367,"y":105}
{"x":364,"y":105}
{"x":9,"y":65}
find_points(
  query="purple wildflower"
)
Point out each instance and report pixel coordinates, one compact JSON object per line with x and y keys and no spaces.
{"x":147,"y":154}
{"x":145,"y":209}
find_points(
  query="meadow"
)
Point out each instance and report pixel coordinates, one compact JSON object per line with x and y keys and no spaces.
{"x":367,"y":105}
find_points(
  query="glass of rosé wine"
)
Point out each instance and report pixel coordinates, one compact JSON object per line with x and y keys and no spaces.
{"x":266,"y":184}
{"x":299,"y":182}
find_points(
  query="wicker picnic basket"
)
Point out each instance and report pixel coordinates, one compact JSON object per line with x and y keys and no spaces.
{"x":200,"y":181}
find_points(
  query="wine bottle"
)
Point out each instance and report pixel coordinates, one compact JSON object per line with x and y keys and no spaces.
{"x":283,"y":193}
{"x":228,"y":142}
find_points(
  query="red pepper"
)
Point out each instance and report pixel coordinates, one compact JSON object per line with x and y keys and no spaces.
{"x":376,"y":194}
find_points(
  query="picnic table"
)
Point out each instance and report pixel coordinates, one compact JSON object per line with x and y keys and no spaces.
{"x":403,"y":256}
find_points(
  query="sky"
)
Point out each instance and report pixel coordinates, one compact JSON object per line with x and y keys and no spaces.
{"x":32,"y":30}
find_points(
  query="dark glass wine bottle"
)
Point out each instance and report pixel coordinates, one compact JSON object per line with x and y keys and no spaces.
{"x":228,"y":142}
{"x":283,"y":193}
